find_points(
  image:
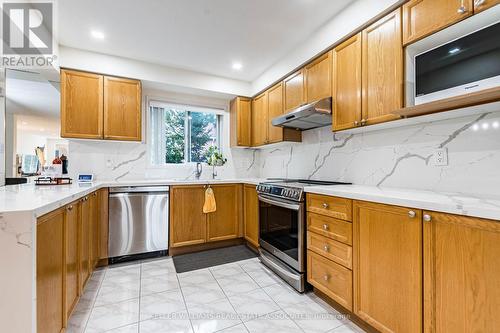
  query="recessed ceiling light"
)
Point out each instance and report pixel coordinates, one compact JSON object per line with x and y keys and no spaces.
{"x":475,"y":127}
{"x":237,"y":66}
{"x":454,"y":50}
{"x":485,"y":126}
{"x":97,"y":34}
{"x":496,"y":124}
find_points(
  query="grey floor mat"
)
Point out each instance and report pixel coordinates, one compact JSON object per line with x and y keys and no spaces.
{"x":193,"y":261}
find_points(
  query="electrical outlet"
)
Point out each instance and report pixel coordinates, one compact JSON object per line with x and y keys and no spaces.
{"x":441,"y":157}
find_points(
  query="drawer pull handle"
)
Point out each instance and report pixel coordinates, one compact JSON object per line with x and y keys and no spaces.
{"x":427,"y":218}
{"x":326,"y":248}
{"x":412,"y":214}
{"x":325,"y":205}
{"x":326,"y":277}
{"x":325,"y":226}
{"x":70,"y":208}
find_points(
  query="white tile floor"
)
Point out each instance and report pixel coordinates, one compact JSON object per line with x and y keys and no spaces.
{"x":244,"y":296}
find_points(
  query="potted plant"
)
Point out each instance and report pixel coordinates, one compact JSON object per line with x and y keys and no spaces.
{"x":214,"y":159}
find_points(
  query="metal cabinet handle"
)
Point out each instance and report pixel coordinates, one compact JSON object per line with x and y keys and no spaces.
{"x":462,"y":9}
{"x":325,"y":205}
{"x":478,"y":3}
{"x":356,"y":123}
{"x":70,"y":208}
{"x":325,"y":226}
{"x":326,"y":277}
{"x":326,"y":248}
{"x":412,"y":214}
{"x":427,"y":218}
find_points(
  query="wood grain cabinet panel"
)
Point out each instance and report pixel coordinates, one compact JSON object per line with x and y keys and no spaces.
{"x":251,"y":214}
{"x":336,"y":207}
{"x":122,"y":109}
{"x":71,"y":263}
{"x":382,"y":69}
{"x":104,"y":223}
{"x":480,"y":5}
{"x":275,"y":109}
{"x":94,"y":228}
{"x":84,"y":242}
{"x":330,"y":227}
{"x":424,"y":17}
{"x":347,"y":84}
{"x":50,"y":298}
{"x":241,"y":119}
{"x":330,"y":249}
{"x":260,"y":120}
{"x":462,"y":269}
{"x":81,"y":105}
{"x":293,"y":91}
{"x":188,"y":225}
{"x":388,"y":267}
{"x":318,"y":78}
{"x":224,"y":223}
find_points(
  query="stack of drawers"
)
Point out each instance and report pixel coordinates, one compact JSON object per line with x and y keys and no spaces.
{"x":329,"y":247}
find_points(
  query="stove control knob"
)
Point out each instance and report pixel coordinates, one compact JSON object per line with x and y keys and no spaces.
{"x":296,"y":195}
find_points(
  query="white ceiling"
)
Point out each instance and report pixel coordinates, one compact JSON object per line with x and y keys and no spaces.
{"x":201,"y":35}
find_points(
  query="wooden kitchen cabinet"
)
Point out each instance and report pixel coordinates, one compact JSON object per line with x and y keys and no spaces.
{"x":81,"y":105}
{"x":421,"y":18}
{"x":318,"y":78}
{"x":251,"y":214}
{"x":103,"y":223}
{"x":122,"y":109}
{"x":71,"y":232}
{"x":50,"y":298}
{"x":293,"y":91}
{"x":84,"y":241}
{"x":388,"y":266}
{"x":480,"y":5}
{"x":94,"y":223}
{"x":225,"y":222}
{"x":347,"y":84}
{"x":462,"y":269}
{"x":241,"y":119}
{"x":188,"y":223}
{"x":259,"y":120}
{"x":275,"y":109}
{"x":382,"y":69}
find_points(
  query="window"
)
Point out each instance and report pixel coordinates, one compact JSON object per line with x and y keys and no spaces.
{"x":181,"y":134}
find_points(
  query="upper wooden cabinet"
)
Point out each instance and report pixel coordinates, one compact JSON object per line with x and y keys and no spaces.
{"x":347,"y":84}
{"x":424,"y":17}
{"x":388,"y":267}
{"x":241,"y":120}
{"x":293,"y":91}
{"x":275,"y":109}
{"x":251,"y":214}
{"x":461,"y":274}
{"x":259,"y":120}
{"x":480,"y":5}
{"x":382,"y":69}
{"x":81,"y":105}
{"x":122,"y":109}
{"x":225,"y":222}
{"x":95,"y":106}
{"x":318,"y":78}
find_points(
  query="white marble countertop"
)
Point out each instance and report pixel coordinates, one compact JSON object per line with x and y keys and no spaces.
{"x":43,"y":199}
{"x":454,"y":203}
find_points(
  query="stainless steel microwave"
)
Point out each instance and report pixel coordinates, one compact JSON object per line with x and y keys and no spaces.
{"x":447,"y":65}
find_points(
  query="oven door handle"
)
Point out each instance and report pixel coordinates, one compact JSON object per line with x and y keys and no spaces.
{"x":295,"y":207}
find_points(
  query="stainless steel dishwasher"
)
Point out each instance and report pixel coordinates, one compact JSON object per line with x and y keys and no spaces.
{"x":138,"y":221}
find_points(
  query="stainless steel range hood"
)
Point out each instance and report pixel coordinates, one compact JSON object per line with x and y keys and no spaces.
{"x":313,"y":115}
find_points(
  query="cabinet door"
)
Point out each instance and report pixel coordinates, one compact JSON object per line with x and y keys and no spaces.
{"x":251,"y":214}
{"x":71,"y":243}
{"x":388,"y":267}
{"x":241,"y":119}
{"x":122,"y":109}
{"x":382,"y":67}
{"x":84,"y":243}
{"x":81,"y":105}
{"x":347,"y":84}
{"x":187,"y":220}
{"x":318,"y":76}
{"x":259,"y":120}
{"x":225,"y":221}
{"x":50,"y":272}
{"x":275,"y":109}
{"x":461,"y":274}
{"x":94,"y":229}
{"x":480,"y":5}
{"x":103,"y":220}
{"x":293,"y":91}
{"x":424,"y":17}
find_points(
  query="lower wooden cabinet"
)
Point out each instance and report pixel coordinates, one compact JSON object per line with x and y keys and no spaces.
{"x":71,"y":263}
{"x":388,"y":266}
{"x":461,"y":274}
{"x":84,"y":241}
{"x":94,"y":229}
{"x":251,"y":214}
{"x":103,"y":223}
{"x":190,"y":226}
{"x":50,"y":296}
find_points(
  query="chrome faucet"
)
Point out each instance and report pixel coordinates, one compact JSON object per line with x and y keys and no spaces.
{"x":199,"y":170}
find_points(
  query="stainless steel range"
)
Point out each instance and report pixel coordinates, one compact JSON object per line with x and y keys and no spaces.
{"x":282,"y":223}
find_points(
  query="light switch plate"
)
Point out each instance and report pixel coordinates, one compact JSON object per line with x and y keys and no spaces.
{"x":441,"y":157}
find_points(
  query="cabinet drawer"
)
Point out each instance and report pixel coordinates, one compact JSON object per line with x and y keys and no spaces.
{"x":330,"y":278}
{"x":330,"y":249}
{"x":329,"y":227}
{"x":339,"y":208}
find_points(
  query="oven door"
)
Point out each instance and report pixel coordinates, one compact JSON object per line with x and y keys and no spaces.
{"x":282,"y":230}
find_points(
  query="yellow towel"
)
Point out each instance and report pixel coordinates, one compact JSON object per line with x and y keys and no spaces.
{"x":209,"y":205}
